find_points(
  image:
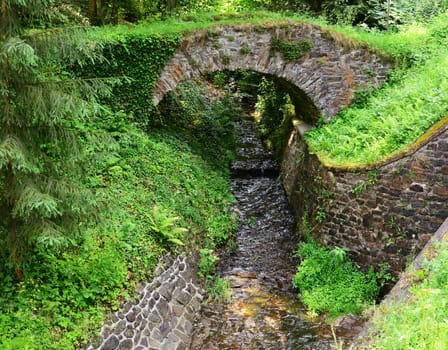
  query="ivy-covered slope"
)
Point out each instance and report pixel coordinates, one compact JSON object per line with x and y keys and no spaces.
{"x":384,"y":123}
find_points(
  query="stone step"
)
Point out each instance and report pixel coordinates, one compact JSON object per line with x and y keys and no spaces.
{"x":254,"y":168}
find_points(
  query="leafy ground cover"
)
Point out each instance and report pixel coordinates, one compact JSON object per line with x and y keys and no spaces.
{"x":329,"y":282}
{"x":160,"y":194}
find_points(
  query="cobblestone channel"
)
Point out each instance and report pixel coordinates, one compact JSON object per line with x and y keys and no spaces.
{"x":264,"y":312}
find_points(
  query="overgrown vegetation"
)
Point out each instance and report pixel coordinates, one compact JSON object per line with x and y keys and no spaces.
{"x":271,"y":105}
{"x":388,"y":120}
{"x":156,"y":185}
{"x":329,"y":282}
{"x":291,"y":50}
{"x":91,"y":199}
{"x":421,"y":322}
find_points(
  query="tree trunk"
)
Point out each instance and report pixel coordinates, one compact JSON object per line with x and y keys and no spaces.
{"x":13,"y":239}
{"x":101,"y":12}
{"x":3,"y":25}
{"x":93,"y":16}
{"x":388,"y":15}
{"x":114,"y":13}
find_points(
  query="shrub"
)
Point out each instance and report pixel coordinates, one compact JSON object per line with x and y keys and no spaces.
{"x":329,"y":282}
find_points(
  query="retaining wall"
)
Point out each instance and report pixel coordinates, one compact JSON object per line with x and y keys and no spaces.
{"x":162,"y":316}
{"x":384,"y":214}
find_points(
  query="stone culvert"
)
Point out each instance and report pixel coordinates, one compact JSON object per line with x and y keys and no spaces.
{"x":322,"y":80}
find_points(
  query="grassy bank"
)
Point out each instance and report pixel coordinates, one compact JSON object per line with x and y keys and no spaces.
{"x":421,"y":322}
{"x":382,"y":123}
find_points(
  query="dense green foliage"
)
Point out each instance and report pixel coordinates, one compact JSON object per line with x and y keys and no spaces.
{"x":329,"y":282}
{"x":162,"y":194}
{"x":43,"y":154}
{"x":274,"y":113}
{"x":421,"y":322}
{"x":139,"y":57}
{"x":156,"y":186}
{"x":271,"y":104}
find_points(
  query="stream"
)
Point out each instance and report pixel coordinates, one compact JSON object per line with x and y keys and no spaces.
{"x":264,"y":311}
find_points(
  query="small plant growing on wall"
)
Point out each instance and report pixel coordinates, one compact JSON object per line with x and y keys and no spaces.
{"x":226,"y":59}
{"x":245,"y":50}
{"x":291,"y":50}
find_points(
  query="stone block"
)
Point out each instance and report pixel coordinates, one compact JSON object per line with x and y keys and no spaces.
{"x":162,"y":307}
{"x":111,"y":343}
{"x":130,"y":316}
{"x":154,"y":316}
{"x":120,"y":327}
{"x":165,"y":329}
{"x":441,"y":190}
{"x":126,"y":344}
{"x":129,"y":332}
{"x":165,"y":291}
{"x":156,"y":334}
{"x":182,"y":296}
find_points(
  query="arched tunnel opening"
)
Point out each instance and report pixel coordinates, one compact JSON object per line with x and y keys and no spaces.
{"x":273,"y":102}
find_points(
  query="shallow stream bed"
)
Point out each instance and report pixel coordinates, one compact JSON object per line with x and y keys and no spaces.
{"x":264,"y":311}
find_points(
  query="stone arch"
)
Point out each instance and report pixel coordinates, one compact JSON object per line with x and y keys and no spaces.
{"x":327,"y":75}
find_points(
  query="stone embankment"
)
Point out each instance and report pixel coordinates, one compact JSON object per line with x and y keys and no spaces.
{"x":385,"y":214}
{"x":162,"y":317}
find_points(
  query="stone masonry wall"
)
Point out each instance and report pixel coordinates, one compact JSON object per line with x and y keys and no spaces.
{"x":385,"y":214}
{"x":327,"y":76}
{"x":161,"y":318}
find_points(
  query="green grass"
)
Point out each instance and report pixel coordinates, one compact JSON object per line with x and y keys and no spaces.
{"x":398,"y":114}
{"x":422,"y":322}
{"x":196,"y":21}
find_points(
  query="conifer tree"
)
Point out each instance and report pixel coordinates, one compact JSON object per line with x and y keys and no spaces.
{"x":42,"y":109}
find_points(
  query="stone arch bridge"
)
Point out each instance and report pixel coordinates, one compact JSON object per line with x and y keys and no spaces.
{"x":321,"y":81}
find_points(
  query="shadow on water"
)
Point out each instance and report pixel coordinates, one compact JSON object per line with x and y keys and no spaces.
{"x":264,"y":312}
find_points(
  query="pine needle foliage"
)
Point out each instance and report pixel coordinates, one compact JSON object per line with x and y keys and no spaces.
{"x":42,"y":151}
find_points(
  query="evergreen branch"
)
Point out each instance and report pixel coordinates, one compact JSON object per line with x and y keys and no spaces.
{"x":31,"y":202}
{"x":48,"y":234}
{"x":12,"y":151}
{"x":66,"y":46}
{"x":77,"y":199}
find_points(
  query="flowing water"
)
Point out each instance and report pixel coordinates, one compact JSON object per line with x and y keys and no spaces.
{"x":264,"y":312}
